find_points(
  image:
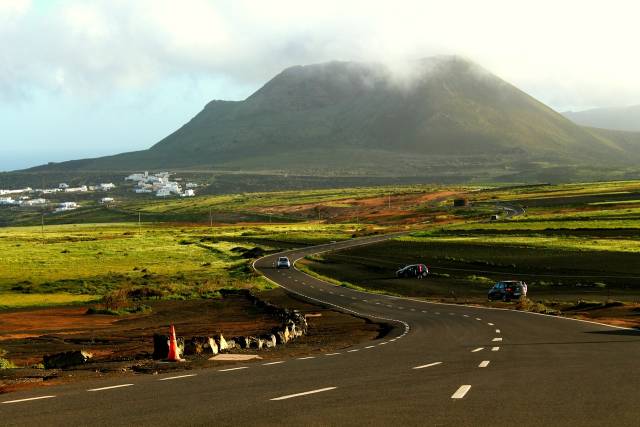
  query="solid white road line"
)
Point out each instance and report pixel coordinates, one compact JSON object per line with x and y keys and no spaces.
{"x":289,"y":396}
{"x":177,"y":377}
{"x":332,"y":354}
{"x":495,"y":348}
{"x":477,"y":350}
{"x":306,"y":358}
{"x":461,"y":392}
{"x":110,"y":388}
{"x":497,"y":331}
{"x":497,"y":339}
{"x":28,"y":399}
{"x":484,"y":364}
{"x":427,"y":366}
{"x":233,"y":369}
{"x":273,"y":363}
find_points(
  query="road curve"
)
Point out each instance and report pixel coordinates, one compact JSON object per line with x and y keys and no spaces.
{"x":441,"y":365}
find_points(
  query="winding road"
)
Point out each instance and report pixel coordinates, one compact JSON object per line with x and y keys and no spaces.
{"x":442,"y":364}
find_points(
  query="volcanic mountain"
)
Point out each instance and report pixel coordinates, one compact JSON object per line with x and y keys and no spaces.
{"x":437,"y":114}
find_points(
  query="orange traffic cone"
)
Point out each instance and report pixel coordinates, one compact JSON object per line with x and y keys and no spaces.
{"x":174,"y":351}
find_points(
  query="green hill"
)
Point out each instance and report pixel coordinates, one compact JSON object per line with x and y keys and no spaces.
{"x":618,"y":118}
{"x":361,"y":119}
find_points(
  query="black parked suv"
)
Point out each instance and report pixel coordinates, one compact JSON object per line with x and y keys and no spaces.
{"x":414,"y":270}
{"x":507,"y":290}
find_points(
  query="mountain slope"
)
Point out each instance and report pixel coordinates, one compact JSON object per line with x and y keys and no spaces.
{"x":620,"y":118}
{"x":364,"y":119}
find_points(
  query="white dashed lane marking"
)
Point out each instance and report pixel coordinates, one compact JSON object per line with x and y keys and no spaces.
{"x":461,"y":392}
{"x":352,"y":351}
{"x":306,"y":358}
{"x":495,"y":348}
{"x":29,"y":399}
{"x":427,"y":365}
{"x":273,"y":363}
{"x":484,"y":364}
{"x":233,"y":369}
{"x":110,"y":387}
{"x":490,"y":324}
{"x":369,"y":346}
{"x":177,"y":377}
{"x":497,"y":331}
{"x":332,"y":354}
{"x":289,"y":396}
{"x":496,"y":339}
{"x":465,"y":315}
{"x":477,"y":318}
{"x":477,"y":350}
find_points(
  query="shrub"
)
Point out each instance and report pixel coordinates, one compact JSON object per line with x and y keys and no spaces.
{"x":6,"y":364}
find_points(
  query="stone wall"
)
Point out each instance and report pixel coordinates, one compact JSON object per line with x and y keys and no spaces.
{"x":293,"y":325}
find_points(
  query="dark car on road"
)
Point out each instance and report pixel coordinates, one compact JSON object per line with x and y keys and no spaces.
{"x":508,"y":290}
{"x":414,"y":270}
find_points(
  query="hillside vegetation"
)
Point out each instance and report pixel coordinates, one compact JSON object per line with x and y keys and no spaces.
{"x":450,"y":118}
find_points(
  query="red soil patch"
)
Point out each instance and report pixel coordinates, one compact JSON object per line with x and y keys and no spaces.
{"x":376,"y":209}
{"x":27,"y":323}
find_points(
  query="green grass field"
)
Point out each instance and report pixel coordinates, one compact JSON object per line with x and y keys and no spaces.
{"x":77,"y":263}
{"x":572,"y":238}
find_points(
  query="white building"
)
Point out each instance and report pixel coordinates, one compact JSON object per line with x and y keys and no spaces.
{"x":63,"y":186}
{"x":188,"y":193}
{"x":18,"y":191}
{"x":81,"y":189}
{"x":106,"y":186}
{"x":66,"y":206}
{"x":34,"y":202}
{"x":137,"y":176}
{"x":8,"y":201}
{"x":163,"y":192}
{"x":191,"y":185}
{"x":106,"y":200}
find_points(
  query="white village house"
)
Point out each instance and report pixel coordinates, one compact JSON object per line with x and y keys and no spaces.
{"x":106,"y":186}
{"x":66,"y":206}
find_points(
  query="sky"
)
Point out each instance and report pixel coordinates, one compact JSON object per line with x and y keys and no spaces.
{"x":85,"y":78}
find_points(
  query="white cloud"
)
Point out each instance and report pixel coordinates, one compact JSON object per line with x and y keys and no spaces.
{"x":570,"y":53}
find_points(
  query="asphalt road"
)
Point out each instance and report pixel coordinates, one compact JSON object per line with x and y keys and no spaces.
{"x":441,"y":365}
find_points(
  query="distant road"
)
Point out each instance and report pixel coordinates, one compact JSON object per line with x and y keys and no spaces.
{"x":441,"y":365}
